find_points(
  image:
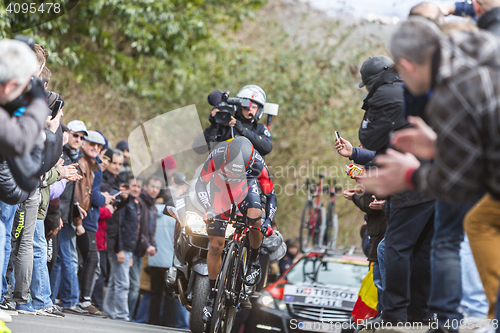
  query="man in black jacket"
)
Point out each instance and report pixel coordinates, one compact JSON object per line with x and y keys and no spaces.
{"x":244,"y":123}
{"x":116,"y":299}
{"x":409,"y":232}
{"x":66,"y":267}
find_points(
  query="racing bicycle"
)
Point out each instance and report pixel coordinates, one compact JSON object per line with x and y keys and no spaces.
{"x":230,"y":281}
{"x":317,"y":227}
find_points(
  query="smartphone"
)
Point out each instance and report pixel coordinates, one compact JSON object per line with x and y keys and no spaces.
{"x":55,"y":110}
{"x":77,"y":212}
{"x":337,"y":135}
{"x":117,"y":194}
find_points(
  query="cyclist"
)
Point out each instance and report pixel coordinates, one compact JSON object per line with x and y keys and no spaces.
{"x":233,"y":171}
{"x":245,"y":122}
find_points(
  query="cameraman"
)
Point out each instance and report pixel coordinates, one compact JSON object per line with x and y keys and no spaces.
{"x":17,"y":65}
{"x":244,"y":123}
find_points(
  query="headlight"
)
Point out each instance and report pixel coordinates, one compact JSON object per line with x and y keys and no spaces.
{"x":196,"y":224}
{"x":267,"y":300}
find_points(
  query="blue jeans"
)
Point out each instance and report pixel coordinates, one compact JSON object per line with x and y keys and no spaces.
{"x":40,"y":281}
{"x":446,"y":280}
{"x":381,"y":267}
{"x":142,"y":314}
{"x":135,"y":278}
{"x":474,"y":302}
{"x":64,"y":277}
{"x":7,"y":213}
{"x":116,"y":299}
{"x":182,"y":316}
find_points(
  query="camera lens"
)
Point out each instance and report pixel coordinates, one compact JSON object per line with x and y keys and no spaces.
{"x":224,"y":117}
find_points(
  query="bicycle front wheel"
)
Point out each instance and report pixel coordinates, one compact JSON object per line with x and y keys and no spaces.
{"x":223,"y":316}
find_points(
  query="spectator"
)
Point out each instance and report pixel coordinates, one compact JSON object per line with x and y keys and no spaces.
{"x":53,"y":184}
{"x":109,"y":184}
{"x":91,"y":202}
{"x":146,"y":242}
{"x":30,"y":245}
{"x":42,"y":55}
{"x":430,"y":11}
{"x":64,"y":277}
{"x":18,"y":63}
{"x":125,"y":170}
{"x":119,"y":243}
{"x":411,"y":217}
{"x":375,"y":227}
{"x":164,"y":310}
{"x":116,"y":301}
{"x":45,"y":77}
{"x":472,"y":152}
{"x":135,"y":270}
{"x":289,"y":258}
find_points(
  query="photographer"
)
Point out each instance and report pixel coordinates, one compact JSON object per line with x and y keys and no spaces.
{"x":243,"y":123}
{"x":17,"y":65}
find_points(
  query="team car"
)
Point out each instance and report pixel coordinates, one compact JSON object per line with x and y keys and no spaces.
{"x":316,"y":294}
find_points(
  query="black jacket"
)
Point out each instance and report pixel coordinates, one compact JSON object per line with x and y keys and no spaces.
{"x":256,"y":132}
{"x":375,"y":221}
{"x":383,"y":112}
{"x":490,"y":21}
{"x":128,"y":216}
{"x":111,"y":184}
{"x":67,"y":198}
{"x":148,"y":224}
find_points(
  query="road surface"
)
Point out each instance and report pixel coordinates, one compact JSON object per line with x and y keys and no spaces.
{"x":80,"y":324}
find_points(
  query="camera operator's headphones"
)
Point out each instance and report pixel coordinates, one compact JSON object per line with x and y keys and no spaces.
{"x":257,"y":95}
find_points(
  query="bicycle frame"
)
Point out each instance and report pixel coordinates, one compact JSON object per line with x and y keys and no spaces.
{"x":236,"y":268}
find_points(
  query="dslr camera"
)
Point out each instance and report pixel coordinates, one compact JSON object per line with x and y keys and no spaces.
{"x":227,"y":108}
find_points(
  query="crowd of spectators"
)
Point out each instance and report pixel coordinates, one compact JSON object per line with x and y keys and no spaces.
{"x":88,"y":238}
{"x":430,"y":191}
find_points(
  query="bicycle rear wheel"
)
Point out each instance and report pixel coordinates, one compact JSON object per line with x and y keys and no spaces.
{"x":223,"y":316}
{"x":332,"y":227}
{"x":305,"y":230}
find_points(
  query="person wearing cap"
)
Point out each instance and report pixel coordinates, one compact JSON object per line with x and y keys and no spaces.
{"x":90,"y":201}
{"x":64,"y":277}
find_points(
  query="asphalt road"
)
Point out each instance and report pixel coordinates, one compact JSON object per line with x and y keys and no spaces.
{"x":79,"y":324}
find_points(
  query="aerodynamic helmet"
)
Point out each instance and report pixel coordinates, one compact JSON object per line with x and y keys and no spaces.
{"x":238,"y":157}
{"x":255,"y":94}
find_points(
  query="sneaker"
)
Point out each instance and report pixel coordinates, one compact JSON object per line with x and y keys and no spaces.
{"x":208,"y":308}
{"x":76,"y":309}
{"x":8,"y":307}
{"x":51,"y":311}
{"x":58,"y":307}
{"x":253,"y":275}
{"x":5,"y":317}
{"x":93,"y":311}
{"x":25,"y":309}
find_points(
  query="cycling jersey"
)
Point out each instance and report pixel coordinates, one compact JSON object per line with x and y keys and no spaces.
{"x":226,"y":188}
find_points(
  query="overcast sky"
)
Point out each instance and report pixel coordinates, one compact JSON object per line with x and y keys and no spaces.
{"x":390,"y":8}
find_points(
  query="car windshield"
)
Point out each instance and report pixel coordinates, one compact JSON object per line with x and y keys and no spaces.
{"x":316,"y":270}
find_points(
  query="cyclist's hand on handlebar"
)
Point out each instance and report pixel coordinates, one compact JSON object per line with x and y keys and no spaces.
{"x":266,"y":231}
{"x":344,"y":147}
